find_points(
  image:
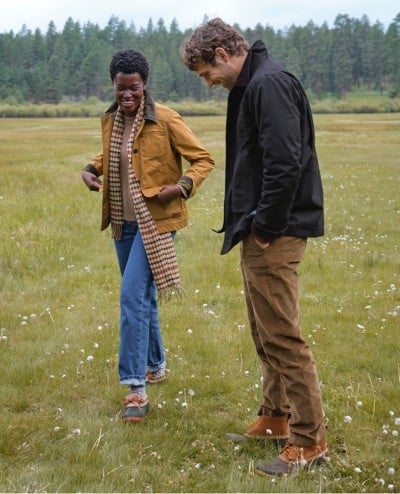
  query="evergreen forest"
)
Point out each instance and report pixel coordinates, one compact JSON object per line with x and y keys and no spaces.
{"x":72,"y":64}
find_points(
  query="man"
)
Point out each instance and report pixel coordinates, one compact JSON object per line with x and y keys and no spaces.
{"x":273,"y":202}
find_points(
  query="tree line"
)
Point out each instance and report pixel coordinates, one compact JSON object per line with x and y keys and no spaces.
{"x":72,"y":64}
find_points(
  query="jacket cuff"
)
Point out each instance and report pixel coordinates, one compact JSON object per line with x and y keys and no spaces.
{"x":186,"y":186}
{"x":260,"y":233}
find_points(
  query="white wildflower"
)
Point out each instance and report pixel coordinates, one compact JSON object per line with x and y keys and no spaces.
{"x":303,"y":462}
{"x":89,"y":358}
{"x":391,"y":471}
{"x":357,"y":470}
{"x":348,"y":419}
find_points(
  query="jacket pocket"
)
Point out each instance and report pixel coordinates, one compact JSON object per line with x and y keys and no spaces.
{"x":160,"y":211}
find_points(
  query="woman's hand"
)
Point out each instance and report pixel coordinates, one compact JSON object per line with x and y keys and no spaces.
{"x":92,"y":181}
{"x":168,"y":193}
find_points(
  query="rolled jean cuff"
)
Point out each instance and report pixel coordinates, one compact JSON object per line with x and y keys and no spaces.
{"x":133,"y":382}
{"x":157,"y":368}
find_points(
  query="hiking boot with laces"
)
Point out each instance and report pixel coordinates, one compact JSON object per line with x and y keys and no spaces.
{"x":156,"y":377}
{"x":136,"y":407}
{"x":265,"y":427}
{"x":293,"y":457}
{"x":274,"y":429}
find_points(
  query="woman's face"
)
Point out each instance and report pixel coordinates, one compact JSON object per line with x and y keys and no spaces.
{"x":129,"y":89}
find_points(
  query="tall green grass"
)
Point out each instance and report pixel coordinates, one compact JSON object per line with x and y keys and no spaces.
{"x":362,"y":101}
{"x":59,"y":285}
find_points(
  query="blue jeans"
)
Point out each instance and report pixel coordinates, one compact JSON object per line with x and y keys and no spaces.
{"x":141,"y":346}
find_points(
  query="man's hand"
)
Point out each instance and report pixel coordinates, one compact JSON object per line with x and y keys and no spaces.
{"x":260,"y":241}
{"x":168,"y":193}
{"x":92,"y":181}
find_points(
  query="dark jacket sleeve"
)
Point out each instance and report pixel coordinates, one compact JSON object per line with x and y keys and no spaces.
{"x":275,"y":100}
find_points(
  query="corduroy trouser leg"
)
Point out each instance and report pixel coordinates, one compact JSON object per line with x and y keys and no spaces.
{"x":290,"y":381}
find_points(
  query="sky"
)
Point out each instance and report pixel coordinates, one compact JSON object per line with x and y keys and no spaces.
{"x":278,"y":14}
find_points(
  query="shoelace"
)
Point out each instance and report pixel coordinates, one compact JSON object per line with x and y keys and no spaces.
{"x":135,"y":399}
{"x":293,"y":453}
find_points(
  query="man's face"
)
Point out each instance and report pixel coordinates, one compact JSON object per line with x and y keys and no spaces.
{"x":223,"y":73}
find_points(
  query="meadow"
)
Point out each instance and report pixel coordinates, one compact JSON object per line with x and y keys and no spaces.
{"x":59,"y":312}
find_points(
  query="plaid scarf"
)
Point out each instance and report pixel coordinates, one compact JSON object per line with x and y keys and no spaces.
{"x":159,"y":247}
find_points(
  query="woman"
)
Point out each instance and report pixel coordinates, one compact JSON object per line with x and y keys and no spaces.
{"x":144,"y":195}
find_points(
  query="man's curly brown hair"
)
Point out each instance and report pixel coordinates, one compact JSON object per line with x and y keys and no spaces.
{"x":200,"y":47}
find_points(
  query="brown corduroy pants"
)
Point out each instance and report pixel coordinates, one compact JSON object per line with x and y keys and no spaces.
{"x":290,"y":381}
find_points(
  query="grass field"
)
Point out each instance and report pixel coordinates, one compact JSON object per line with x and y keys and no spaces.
{"x":59,"y":285}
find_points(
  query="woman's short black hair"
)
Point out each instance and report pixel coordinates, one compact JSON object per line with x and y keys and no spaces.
{"x":129,"y":62}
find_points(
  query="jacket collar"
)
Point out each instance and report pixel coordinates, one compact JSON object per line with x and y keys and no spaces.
{"x":257,"y":54}
{"x":150,"y":112}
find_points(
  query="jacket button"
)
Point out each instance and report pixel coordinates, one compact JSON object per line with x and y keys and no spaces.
{"x":135,"y":151}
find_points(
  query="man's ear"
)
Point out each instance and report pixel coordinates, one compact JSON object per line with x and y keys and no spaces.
{"x":221,"y":53}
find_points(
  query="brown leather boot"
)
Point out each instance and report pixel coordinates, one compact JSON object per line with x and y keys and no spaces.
{"x":293,"y":457}
{"x":265,"y":427}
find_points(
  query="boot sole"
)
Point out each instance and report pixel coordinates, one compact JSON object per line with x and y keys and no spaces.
{"x":242,"y":438}
{"x":294,"y":468}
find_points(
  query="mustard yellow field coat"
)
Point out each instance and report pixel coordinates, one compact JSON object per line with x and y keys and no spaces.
{"x":162,"y":141}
